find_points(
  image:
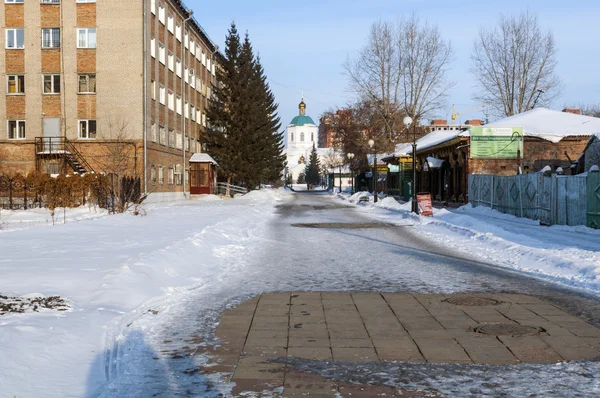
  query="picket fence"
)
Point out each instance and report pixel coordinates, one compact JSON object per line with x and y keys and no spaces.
{"x":554,"y":200}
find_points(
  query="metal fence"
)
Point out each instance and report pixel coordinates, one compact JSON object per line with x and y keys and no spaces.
{"x":554,"y":200}
{"x":223,"y":187}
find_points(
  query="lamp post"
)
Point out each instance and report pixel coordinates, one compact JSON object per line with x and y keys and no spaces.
{"x":350,"y":157}
{"x":407,"y":122}
{"x":371,"y":143}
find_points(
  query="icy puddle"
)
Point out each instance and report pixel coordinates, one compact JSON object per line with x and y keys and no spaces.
{"x":279,"y":341}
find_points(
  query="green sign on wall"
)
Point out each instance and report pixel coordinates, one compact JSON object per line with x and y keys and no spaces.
{"x":496,"y":142}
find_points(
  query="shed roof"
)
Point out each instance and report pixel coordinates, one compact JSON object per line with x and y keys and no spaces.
{"x":202,"y":158}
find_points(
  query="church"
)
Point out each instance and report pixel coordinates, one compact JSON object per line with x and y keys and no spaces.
{"x":302,"y":134}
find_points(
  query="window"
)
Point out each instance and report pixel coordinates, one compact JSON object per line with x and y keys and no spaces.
{"x":161,"y":94}
{"x":153,"y":6}
{"x":178,"y":175}
{"x":171,"y":175}
{"x":178,"y":32}
{"x":51,"y":38}
{"x":178,"y":104}
{"x":86,"y":38}
{"x":192,"y":47}
{"x":198,"y":116}
{"x":87,"y":129}
{"x":179,"y":141}
{"x":312,"y":137}
{"x":292,"y":137}
{"x":153,"y":174}
{"x":192,"y":79}
{"x":178,"y":67}
{"x":87,"y":84}
{"x":186,"y":110}
{"x":153,"y":89}
{"x":153,"y":47}
{"x":186,"y":37}
{"x":161,"y":53}
{"x":162,"y":137}
{"x":301,"y":137}
{"x":171,"y":100}
{"x":51,"y":84}
{"x":208,"y":63}
{"x":170,"y":23}
{"x":153,"y":136}
{"x":16,"y":129}
{"x":171,"y":62}
{"x":203,"y":58}
{"x":186,"y":74}
{"x":15,"y":38}
{"x":14,"y":1}
{"x":15,"y":84}
{"x":85,"y":1}
{"x":161,"y":175}
{"x":161,"y":13}
{"x":193,"y":113}
{"x":171,"y":138}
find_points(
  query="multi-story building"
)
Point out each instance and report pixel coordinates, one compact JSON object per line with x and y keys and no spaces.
{"x":87,"y":84}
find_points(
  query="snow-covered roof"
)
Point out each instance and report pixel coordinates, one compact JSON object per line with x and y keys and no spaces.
{"x":551,"y":125}
{"x":202,"y":158}
{"x":402,"y":150}
{"x":437,"y":137}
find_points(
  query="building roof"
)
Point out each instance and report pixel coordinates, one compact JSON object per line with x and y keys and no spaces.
{"x":302,"y":120}
{"x":438,"y":137}
{"x":202,"y":158}
{"x":551,"y":125}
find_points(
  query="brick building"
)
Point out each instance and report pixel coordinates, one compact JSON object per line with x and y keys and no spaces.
{"x":104,"y":86}
{"x":550,"y":138}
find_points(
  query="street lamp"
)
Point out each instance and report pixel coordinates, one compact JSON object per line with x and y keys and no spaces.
{"x":407,"y":122}
{"x":350,"y":157}
{"x":371,"y":143}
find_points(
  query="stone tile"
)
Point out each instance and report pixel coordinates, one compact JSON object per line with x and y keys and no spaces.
{"x":305,"y":384}
{"x":443,"y":351}
{"x":432,"y":334}
{"x":487,"y":315}
{"x":308,"y":342}
{"x":523,"y":342}
{"x":581,"y":328}
{"x":310,"y":326}
{"x":270,"y":325}
{"x":253,"y":368}
{"x":410,"y":313}
{"x":354,"y":354}
{"x":365,"y":391}
{"x":536,"y":354}
{"x":398,"y":333}
{"x":405,"y":344}
{"x":456,"y":322}
{"x":577,"y":353}
{"x":491,"y":355}
{"x":422,"y":324}
{"x":389,"y":354}
{"x":354,"y":333}
{"x":317,"y":353}
{"x":593,"y":341}
{"x":351,"y":343}
{"x":245,"y":386}
{"x":565,"y":341}
{"x":545,"y":309}
{"x":478,"y":341}
{"x":264,"y":352}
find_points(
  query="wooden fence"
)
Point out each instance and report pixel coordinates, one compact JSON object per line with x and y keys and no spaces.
{"x":554,"y":200}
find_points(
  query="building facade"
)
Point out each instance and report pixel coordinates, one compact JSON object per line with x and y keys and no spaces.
{"x":301,"y":135}
{"x":108,"y":87}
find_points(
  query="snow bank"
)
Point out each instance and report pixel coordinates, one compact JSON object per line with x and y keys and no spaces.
{"x":111,"y":271}
{"x":11,"y":220}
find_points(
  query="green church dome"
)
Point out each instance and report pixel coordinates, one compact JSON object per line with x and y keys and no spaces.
{"x":301,"y":120}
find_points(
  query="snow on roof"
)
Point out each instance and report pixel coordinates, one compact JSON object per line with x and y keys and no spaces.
{"x":551,"y":125}
{"x":402,"y":150}
{"x":202,"y":158}
{"x":437,"y":137}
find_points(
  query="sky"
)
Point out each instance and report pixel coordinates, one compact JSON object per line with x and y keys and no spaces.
{"x":303,"y":44}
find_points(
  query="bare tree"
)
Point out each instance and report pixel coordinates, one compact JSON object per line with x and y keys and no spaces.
{"x":514,"y":65}
{"x":401,"y":70}
{"x":590,"y":110}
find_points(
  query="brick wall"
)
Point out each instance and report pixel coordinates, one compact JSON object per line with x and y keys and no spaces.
{"x":51,"y":105}
{"x":50,"y":15}
{"x":86,"y":15}
{"x":14,"y":15}
{"x":51,"y":61}
{"x":15,"y":61}
{"x":15,"y":107}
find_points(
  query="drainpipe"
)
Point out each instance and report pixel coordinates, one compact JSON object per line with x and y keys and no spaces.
{"x":183,"y":55}
{"x":145,"y":105}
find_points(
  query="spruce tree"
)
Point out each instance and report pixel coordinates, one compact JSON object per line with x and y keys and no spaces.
{"x":243,"y":128}
{"x":311,"y":172}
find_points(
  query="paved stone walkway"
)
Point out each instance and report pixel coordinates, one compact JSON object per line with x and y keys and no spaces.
{"x":365,"y":327}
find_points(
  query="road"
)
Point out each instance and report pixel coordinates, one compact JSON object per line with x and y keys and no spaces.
{"x":294,"y":256}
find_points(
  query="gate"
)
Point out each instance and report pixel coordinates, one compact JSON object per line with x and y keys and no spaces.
{"x":593,"y":200}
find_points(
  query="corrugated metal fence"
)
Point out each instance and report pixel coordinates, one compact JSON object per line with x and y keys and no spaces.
{"x":560,"y":200}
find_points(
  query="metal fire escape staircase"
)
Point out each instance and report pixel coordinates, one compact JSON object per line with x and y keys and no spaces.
{"x":61,"y":147}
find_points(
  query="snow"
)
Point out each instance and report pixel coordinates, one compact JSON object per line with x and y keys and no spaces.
{"x":563,"y":254}
{"x":551,"y":125}
{"x":437,"y":137}
{"x":134,"y":282}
